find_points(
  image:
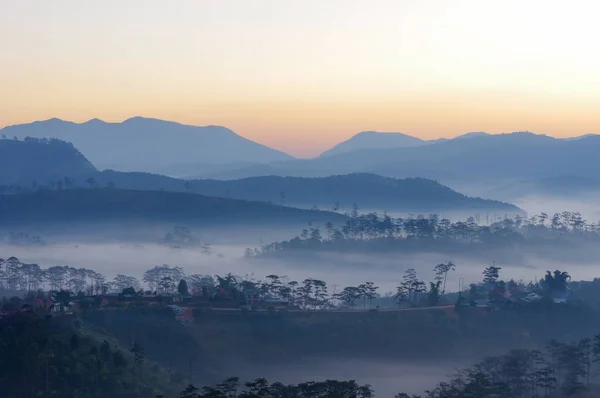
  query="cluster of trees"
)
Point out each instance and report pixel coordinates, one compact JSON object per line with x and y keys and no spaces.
{"x":562,"y":369}
{"x":413,"y":291}
{"x":374,"y":227}
{"x":553,"y":285}
{"x":492,"y":289}
{"x":316,"y":294}
{"x":310,"y":293}
{"x":42,"y":357}
{"x":261,"y":388}
{"x":162,"y":279}
{"x":18,"y":276}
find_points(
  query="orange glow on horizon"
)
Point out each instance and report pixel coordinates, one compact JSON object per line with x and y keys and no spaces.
{"x":303,"y":75}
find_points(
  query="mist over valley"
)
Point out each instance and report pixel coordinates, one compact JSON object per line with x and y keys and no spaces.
{"x":347,"y":266}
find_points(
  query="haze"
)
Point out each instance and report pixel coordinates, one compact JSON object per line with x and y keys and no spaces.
{"x":303,"y":75}
{"x":340,"y":198}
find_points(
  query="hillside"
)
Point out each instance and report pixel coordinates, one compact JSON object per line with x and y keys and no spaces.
{"x":368,"y":191}
{"x":143,"y":144}
{"x":39,"y":161}
{"x":500,"y":159}
{"x":49,"y":356}
{"x":88,"y":205}
{"x":231,"y":340}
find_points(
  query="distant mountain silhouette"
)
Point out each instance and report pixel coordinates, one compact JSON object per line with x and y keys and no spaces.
{"x":500,"y":159}
{"x":373,"y":140}
{"x":39,"y":161}
{"x":369,"y":192}
{"x":141,"y":144}
{"x":467,"y":135}
{"x":106,"y":205}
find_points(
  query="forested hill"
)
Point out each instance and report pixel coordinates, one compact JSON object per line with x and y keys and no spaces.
{"x":39,"y":160}
{"x":104,"y":204}
{"x":367,"y":191}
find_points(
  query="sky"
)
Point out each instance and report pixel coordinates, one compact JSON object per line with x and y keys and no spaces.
{"x":302,"y":75}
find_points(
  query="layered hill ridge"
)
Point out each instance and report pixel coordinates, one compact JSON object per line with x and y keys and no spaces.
{"x":145,"y":144}
{"x":54,"y":164}
{"x":381,"y":140}
{"x":367,"y":191}
{"x":104,"y":204}
{"x":500,"y":159}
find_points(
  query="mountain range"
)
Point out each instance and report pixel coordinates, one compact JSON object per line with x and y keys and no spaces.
{"x":143,"y":144}
{"x":168,"y":148}
{"x":378,"y":140}
{"x":34,"y":163}
{"x":493,"y":159}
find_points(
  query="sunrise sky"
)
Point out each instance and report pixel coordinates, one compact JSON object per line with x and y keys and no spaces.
{"x":301,"y":75}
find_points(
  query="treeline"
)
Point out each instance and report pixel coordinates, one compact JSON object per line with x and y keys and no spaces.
{"x":261,"y":388}
{"x":43,"y":141}
{"x":55,"y":184}
{"x":17,"y":276}
{"x":373,"y":229}
{"x":308,"y":294}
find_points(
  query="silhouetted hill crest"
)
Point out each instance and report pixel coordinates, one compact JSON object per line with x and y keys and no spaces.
{"x":105,"y":204}
{"x":40,"y":160}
